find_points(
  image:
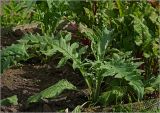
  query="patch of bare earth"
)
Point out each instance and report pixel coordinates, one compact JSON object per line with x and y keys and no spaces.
{"x":29,"y":79}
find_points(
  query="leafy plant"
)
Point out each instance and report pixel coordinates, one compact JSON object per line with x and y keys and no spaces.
{"x":111,"y":74}
{"x":93,"y":70}
{"x":50,"y":14}
{"x":15,"y":12}
{"x":13,"y":100}
{"x":12,"y":55}
{"x":152,"y":84}
{"x":117,"y":68}
{"x":136,"y":29}
{"x":90,"y":13}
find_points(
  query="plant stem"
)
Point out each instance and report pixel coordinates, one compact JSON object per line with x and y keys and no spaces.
{"x":87,"y":79}
{"x":97,"y":89}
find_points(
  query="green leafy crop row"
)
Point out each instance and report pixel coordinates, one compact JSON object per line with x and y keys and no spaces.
{"x":116,"y":30}
{"x":121,"y":71}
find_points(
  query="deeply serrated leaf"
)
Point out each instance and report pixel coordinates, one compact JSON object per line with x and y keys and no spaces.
{"x":52,"y":92}
{"x":127,"y":71}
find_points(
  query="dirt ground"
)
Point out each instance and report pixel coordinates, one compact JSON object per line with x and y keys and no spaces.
{"x":29,"y":79}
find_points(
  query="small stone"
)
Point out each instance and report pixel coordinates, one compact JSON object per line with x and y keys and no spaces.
{"x":25,"y":91}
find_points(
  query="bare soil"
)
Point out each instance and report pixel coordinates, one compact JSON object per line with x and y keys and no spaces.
{"x":29,"y":79}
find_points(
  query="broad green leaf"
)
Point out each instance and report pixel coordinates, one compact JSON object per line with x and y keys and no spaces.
{"x":113,"y":94}
{"x":82,"y":50}
{"x":119,"y":71}
{"x":77,"y":109}
{"x":126,"y":71}
{"x":153,"y":17}
{"x":138,"y":87}
{"x":52,"y":92}
{"x":89,"y":13}
{"x":104,"y":41}
{"x":48,"y":52}
{"x":13,"y":100}
{"x":68,"y":37}
{"x":68,"y":50}
{"x":155,"y":48}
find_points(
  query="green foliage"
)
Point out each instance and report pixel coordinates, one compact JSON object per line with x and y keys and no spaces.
{"x":124,"y":70}
{"x":13,"y":100}
{"x":113,"y":94}
{"x":36,"y":46}
{"x":136,"y":29}
{"x":52,"y":92}
{"x":82,"y":12}
{"x":15,"y":12}
{"x":117,"y":67}
{"x":39,"y":46}
{"x":50,"y":14}
{"x":69,"y":51}
{"x":30,"y":46}
{"x":12,"y":55}
{"x":99,"y":40}
{"x":113,"y":28}
{"x":77,"y":109}
{"x":152,"y":84}
{"x":93,"y":70}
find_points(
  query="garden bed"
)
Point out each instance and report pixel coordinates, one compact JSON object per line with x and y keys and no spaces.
{"x":32,"y":76}
{"x":80,"y":56}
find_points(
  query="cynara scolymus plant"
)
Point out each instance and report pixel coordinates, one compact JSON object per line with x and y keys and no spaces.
{"x":99,"y":68}
{"x":108,"y":75}
{"x":102,"y":67}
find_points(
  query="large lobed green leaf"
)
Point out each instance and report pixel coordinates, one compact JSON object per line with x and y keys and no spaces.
{"x":52,"y":92}
{"x":39,"y":46}
{"x":118,"y":68}
{"x":69,"y":51}
{"x":99,"y":39}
